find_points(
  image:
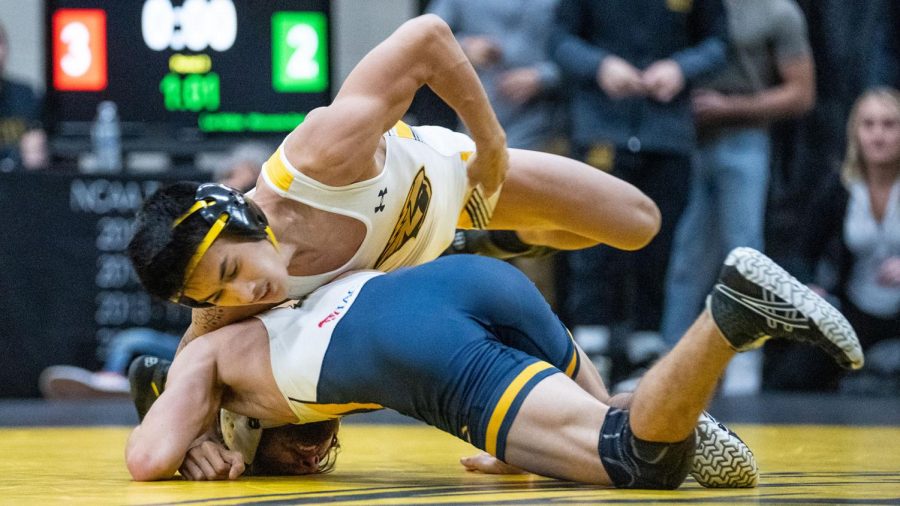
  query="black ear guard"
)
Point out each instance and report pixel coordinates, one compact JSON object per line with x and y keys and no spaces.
{"x":222,"y":207}
{"x":245,"y":218}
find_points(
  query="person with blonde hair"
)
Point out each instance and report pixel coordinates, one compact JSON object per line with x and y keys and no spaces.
{"x":870,"y":285}
{"x":853,"y":227}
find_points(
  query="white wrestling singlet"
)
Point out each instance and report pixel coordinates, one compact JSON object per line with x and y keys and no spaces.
{"x":298,"y":339}
{"x":410,"y":210}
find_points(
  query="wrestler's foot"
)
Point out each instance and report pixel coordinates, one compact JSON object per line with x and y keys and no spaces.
{"x":147,"y":378}
{"x":755,"y":300}
{"x":721,"y":458}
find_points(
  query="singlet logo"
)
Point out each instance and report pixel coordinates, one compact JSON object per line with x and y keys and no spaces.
{"x":412,"y":215}
{"x":381,"y":194}
{"x":338,"y":310}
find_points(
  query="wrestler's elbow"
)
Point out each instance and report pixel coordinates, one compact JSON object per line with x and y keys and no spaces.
{"x":431,"y":26}
{"x":646,"y":221}
{"x":143,"y":469}
{"x":433,"y":36}
{"x":145,"y":464}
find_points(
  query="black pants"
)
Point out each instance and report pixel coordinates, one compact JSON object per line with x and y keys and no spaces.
{"x":605,"y":285}
{"x":797,"y":367}
{"x":870,"y":328}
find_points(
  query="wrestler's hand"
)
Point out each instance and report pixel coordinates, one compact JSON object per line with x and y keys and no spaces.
{"x":487,"y":167}
{"x":486,"y":463}
{"x":211,"y":460}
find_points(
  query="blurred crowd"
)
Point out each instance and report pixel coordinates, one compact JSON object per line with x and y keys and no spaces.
{"x":773,"y":124}
{"x":735,"y":117}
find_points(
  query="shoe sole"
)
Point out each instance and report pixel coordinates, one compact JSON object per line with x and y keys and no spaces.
{"x":763,"y":271}
{"x":721,"y":459}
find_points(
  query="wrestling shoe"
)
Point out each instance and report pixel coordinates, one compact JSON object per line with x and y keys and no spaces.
{"x":755,"y":300}
{"x":502,"y":244}
{"x":147,"y":379}
{"x":721,"y":458}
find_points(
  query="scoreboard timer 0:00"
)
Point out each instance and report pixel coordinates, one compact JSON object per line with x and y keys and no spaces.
{"x":211,"y":65}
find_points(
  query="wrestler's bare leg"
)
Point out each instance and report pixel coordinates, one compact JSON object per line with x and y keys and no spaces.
{"x":556,"y":201}
{"x":557,"y":428}
{"x":588,"y":378}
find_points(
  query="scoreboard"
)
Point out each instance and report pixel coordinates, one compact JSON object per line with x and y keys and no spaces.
{"x":213,"y":66}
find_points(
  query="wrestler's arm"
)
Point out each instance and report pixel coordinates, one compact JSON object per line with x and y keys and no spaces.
{"x":181,"y":415}
{"x":335,"y":143}
{"x":208,"y":319}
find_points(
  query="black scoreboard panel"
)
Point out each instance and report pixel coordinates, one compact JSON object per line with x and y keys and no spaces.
{"x":213,"y":66}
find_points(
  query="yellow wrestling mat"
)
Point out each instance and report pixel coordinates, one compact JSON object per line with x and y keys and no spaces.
{"x":414,"y":464}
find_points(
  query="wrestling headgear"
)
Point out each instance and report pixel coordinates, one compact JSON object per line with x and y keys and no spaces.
{"x":240,"y":433}
{"x":222,"y":207}
{"x":244,"y":434}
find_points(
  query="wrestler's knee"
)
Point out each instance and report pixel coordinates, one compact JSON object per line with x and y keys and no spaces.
{"x":634,"y":463}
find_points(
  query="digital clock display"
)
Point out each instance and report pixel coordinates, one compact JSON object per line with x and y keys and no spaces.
{"x":237,"y":66}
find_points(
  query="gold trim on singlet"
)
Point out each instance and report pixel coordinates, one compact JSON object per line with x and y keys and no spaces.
{"x":277,"y":172}
{"x":505,"y":402}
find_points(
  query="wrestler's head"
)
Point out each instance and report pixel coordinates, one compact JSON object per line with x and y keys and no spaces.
{"x":297,"y":449}
{"x":202,"y":245}
{"x":873,"y":133}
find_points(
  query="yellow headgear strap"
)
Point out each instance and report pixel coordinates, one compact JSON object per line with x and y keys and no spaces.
{"x":272,"y":239}
{"x":200,"y":204}
{"x":207,"y":241}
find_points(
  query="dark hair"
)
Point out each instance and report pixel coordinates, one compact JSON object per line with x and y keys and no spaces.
{"x":158,"y":252}
{"x":266,"y":462}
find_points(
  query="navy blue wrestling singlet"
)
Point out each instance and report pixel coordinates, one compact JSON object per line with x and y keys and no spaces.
{"x":457,"y":342}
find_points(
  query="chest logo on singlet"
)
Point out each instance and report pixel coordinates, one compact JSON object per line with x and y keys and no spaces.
{"x":380,"y":206}
{"x":412,"y":215}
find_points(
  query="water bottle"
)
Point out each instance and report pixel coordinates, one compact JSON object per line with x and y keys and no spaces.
{"x":106,"y":138}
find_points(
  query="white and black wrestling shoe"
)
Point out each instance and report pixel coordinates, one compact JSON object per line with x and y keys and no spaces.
{"x":755,"y":300}
{"x":721,"y":458}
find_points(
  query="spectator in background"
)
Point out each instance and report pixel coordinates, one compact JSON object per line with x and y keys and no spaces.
{"x":243,"y":165}
{"x":71,"y":382}
{"x":22,"y":142}
{"x":770,"y":76}
{"x":507,"y":44}
{"x":855,"y":230}
{"x":240,"y":170}
{"x":807,"y":149}
{"x":633,"y":65}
